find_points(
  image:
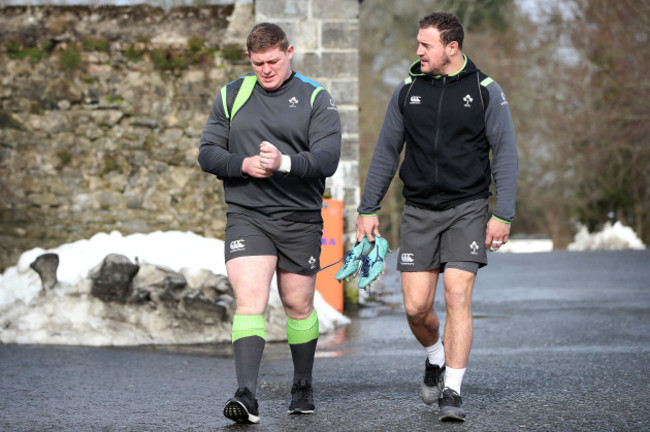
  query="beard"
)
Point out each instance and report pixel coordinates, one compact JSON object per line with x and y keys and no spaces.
{"x":439,"y":68}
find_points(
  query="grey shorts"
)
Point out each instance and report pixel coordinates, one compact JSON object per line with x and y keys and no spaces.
{"x":431,"y":239}
{"x":296,"y":244}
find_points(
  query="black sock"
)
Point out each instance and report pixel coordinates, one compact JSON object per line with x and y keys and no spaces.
{"x":303,"y":360}
{"x":248,"y":356}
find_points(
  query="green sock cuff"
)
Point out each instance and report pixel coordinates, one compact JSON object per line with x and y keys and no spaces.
{"x":248,"y":325}
{"x":301,"y":331}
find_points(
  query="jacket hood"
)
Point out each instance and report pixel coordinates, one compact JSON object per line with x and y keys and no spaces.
{"x":468,"y":68}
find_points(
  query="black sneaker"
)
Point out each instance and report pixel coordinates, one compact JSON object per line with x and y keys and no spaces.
{"x":243,"y":407}
{"x":302,"y":400}
{"x":450,"y":406}
{"x":433,"y":383}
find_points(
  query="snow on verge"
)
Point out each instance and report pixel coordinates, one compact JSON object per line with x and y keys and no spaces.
{"x":84,"y":320}
{"x":612,"y":237}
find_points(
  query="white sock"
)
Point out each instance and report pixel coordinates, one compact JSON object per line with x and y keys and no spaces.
{"x":453,"y":378}
{"x":436,"y":353}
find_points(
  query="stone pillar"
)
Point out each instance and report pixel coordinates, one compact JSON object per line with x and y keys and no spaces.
{"x":326,"y":36}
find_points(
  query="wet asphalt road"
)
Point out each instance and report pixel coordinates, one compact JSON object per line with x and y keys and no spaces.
{"x":561,"y":343}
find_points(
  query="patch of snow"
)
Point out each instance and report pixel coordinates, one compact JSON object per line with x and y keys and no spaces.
{"x":69,"y":315}
{"x":612,"y":237}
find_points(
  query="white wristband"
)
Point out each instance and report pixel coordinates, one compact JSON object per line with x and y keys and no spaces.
{"x":285,"y":165}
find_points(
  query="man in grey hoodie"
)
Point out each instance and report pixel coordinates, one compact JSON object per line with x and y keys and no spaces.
{"x":272,"y":137}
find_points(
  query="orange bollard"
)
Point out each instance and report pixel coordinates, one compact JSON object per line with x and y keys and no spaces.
{"x":331,"y":252}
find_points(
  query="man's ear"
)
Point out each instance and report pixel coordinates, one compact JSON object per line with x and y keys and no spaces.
{"x":290,"y":51}
{"x":452,"y":48}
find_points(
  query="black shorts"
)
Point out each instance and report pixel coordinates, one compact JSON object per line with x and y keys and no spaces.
{"x":296,"y":244}
{"x":430,"y":239}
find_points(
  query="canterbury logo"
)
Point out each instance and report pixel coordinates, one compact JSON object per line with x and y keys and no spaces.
{"x":415,"y":100}
{"x":237,"y":245}
{"x":407,"y":258}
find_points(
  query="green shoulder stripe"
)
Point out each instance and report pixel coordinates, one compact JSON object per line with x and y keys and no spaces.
{"x":314,"y":94}
{"x":224,"y":101}
{"x":243,"y":94}
{"x":408,"y":80}
{"x":486,"y":82}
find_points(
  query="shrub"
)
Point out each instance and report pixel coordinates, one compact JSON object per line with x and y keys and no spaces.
{"x":110,"y":165}
{"x":12,"y":47}
{"x":168,"y":60}
{"x":65,"y":157}
{"x":35,"y":55}
{"x":46,"y":45}
{"x":233,"y":53}
{"x":95,"y":44}
{"x":70,"y":59}
{"x":133,"y":54}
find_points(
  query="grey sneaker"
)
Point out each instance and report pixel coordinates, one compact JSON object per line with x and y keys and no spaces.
{"x":302,"y":400}
{"x":450,"y":406}
{"x":433,"y":383}
{"x":243,"y":407}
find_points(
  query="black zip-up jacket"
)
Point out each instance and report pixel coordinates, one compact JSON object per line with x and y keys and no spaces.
{"x":449,"y":124}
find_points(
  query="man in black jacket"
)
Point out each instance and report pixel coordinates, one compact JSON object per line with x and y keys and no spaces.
{"x":450,"y":115}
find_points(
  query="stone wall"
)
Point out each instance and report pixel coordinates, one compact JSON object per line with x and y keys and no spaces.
{"x":326,"y":36}
{"x":102,"y":107}
{"x":101,"y":113}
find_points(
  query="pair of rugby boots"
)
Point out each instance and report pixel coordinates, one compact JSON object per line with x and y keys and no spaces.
{"x":366,"y":259}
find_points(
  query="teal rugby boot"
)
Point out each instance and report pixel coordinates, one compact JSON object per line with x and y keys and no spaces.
{"x":352,"y":259}
{"x":372,"y":265}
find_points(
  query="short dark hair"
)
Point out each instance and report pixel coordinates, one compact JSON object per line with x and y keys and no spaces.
{"x":447,"y":24}
{"x":265,"y":36}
